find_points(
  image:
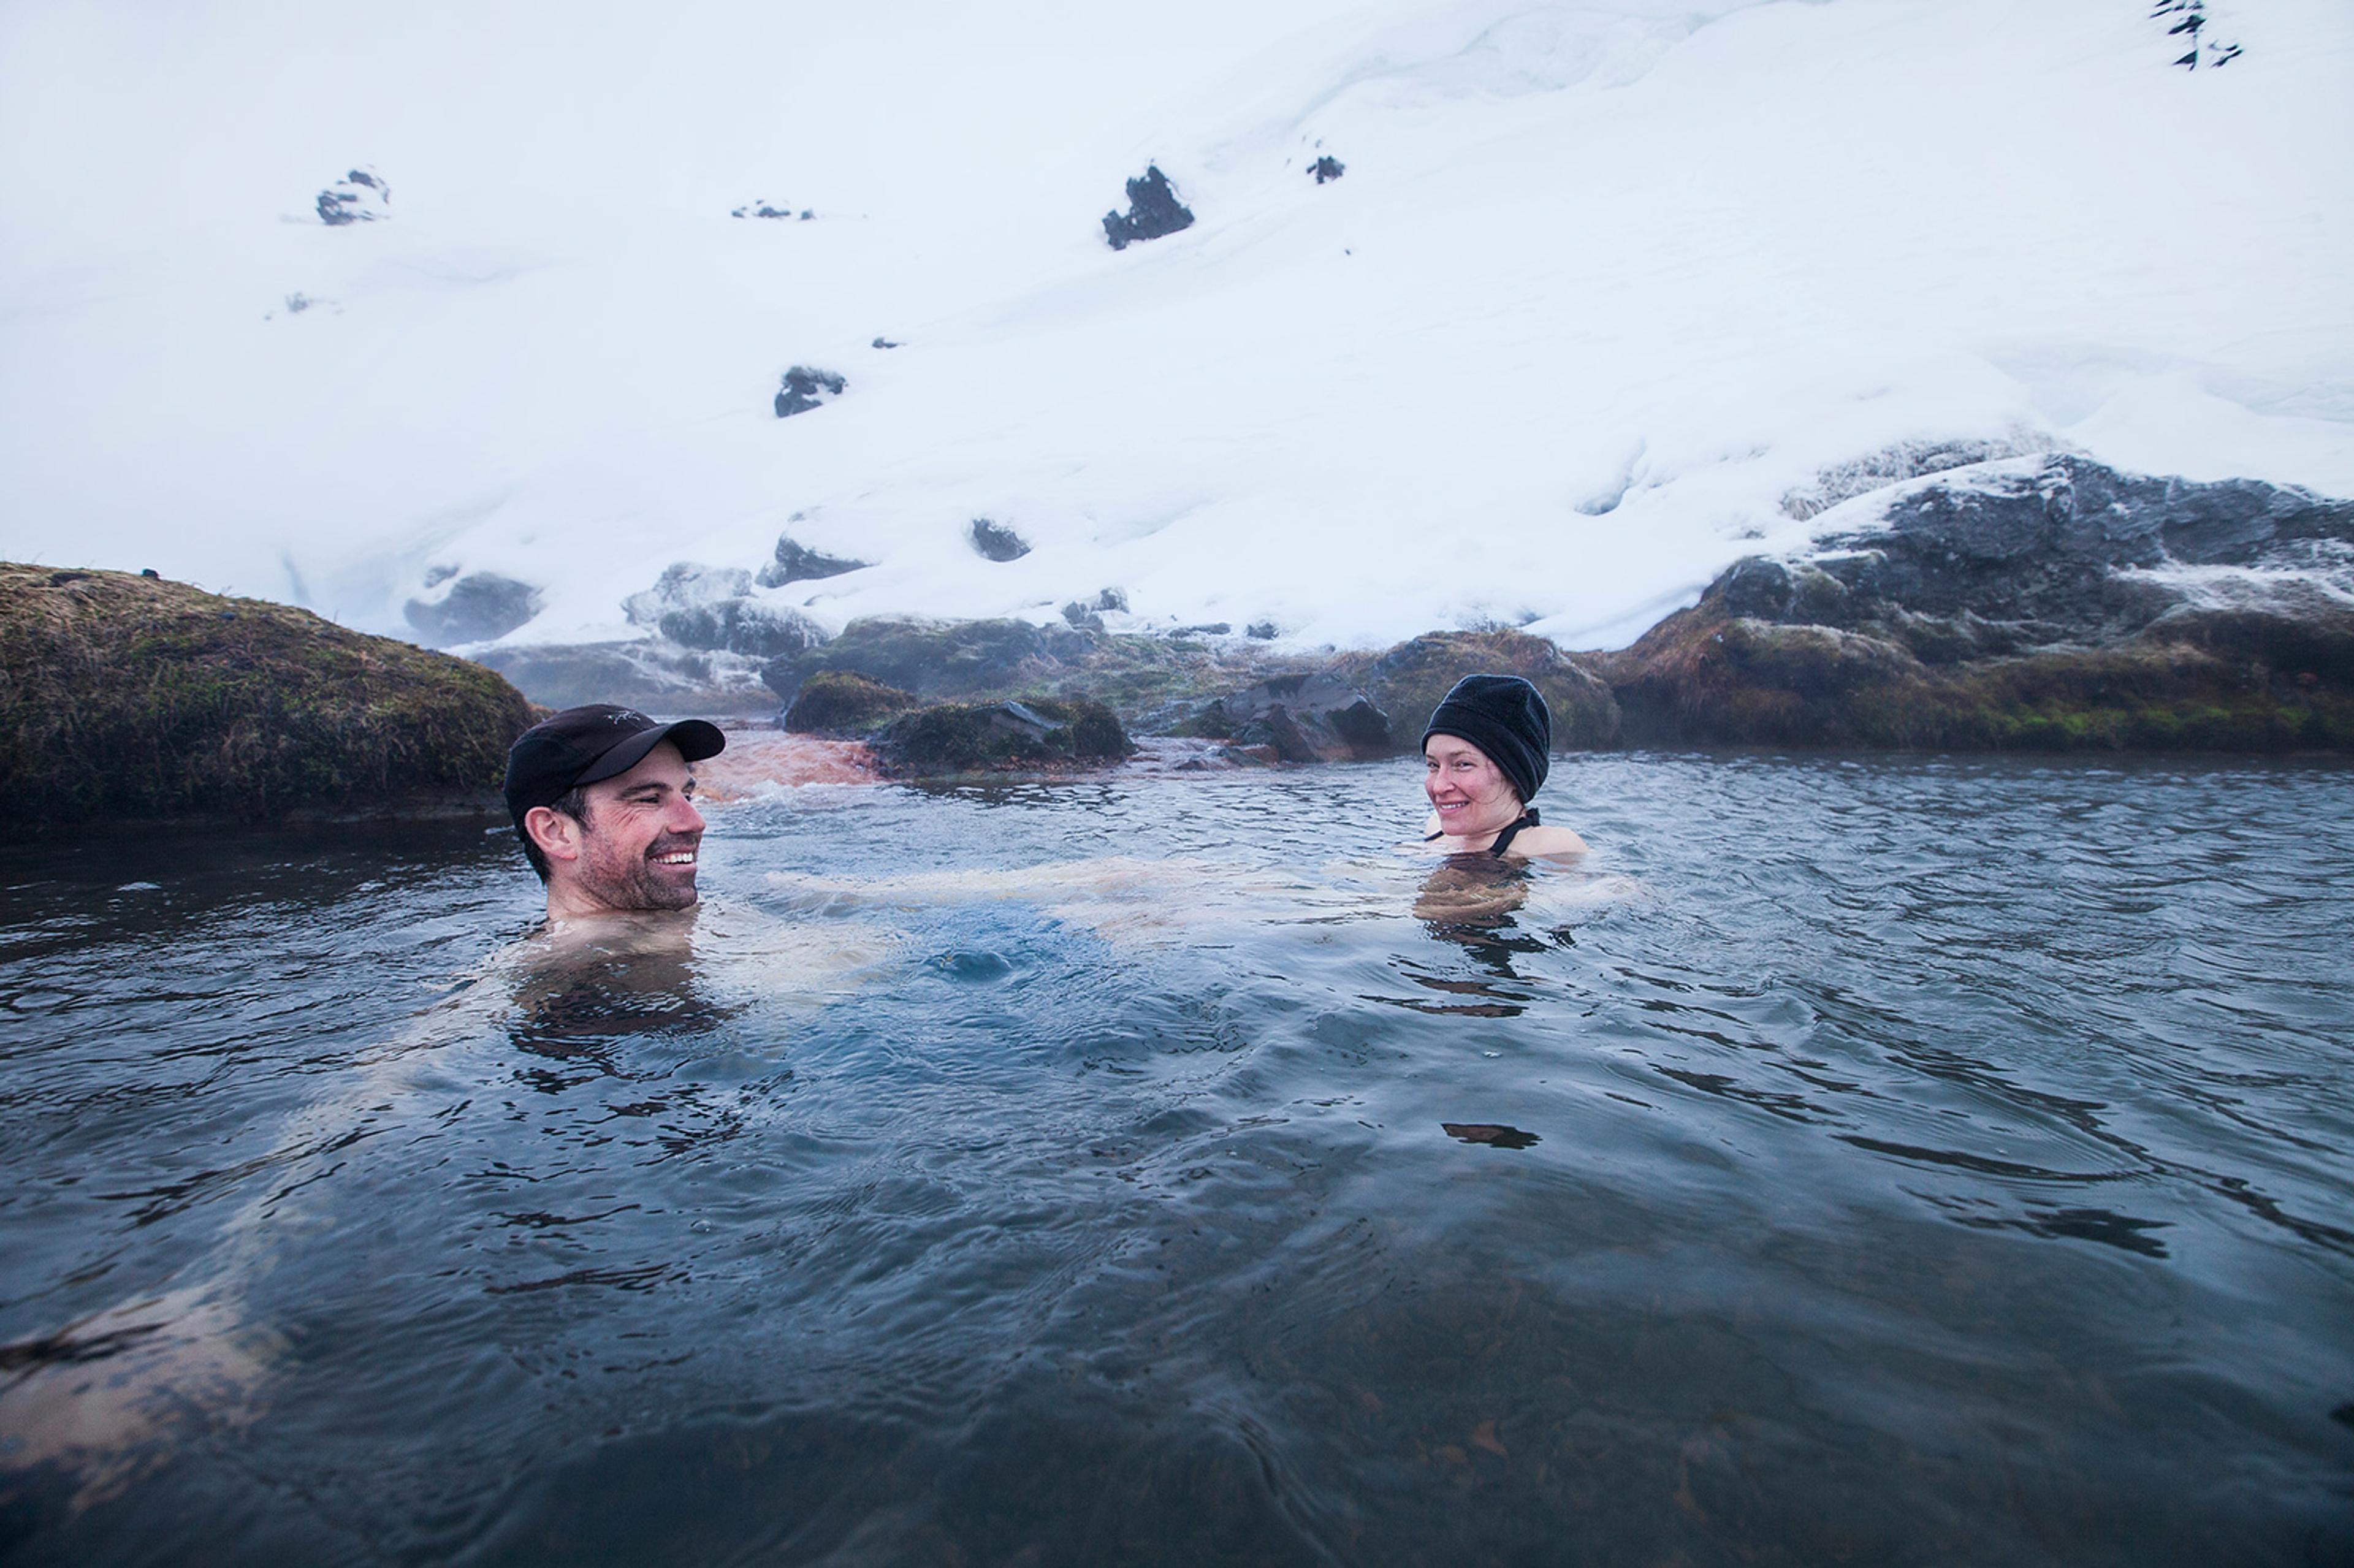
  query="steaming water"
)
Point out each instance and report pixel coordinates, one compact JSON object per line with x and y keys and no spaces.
{"x":1938,"y":1161}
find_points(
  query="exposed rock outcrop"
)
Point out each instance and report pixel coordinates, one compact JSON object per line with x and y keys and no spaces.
{"x":848,"y":706}
{"x":795,"y":563}
{"x":1372,"y":704}
{"x":475,"y":608}
{"x":996,"y":542}
{"x":1153,"y":210}
{"x":360,"y":196}
{"x":751,"y":627}
{"x":714,"y":611}
{"x":1088,"y":615}
{"x":684,"y":586}
{"x":1326,"y":169}
{"x":1407,"y":682}
{"x":125,"y":696}
{"x":803,"y":388}
{"x":1316,"y":717}
{"x":2044,"y":602}
{"x":1043,"y":732}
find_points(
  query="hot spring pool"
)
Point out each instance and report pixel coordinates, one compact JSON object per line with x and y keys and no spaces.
{"x":1881,"y":1162}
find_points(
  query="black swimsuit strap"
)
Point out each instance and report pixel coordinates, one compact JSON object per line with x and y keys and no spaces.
{"x":1527,"y":819}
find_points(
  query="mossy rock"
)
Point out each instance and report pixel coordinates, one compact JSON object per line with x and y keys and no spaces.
{"x":129,"y":697}
{"x":1406,"y":683}
{"x":837,"y":703}
{"x":1702,"y":677}
{"x":1041,"y":733}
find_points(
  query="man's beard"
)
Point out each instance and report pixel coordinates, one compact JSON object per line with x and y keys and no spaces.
{"x":634,"y":883}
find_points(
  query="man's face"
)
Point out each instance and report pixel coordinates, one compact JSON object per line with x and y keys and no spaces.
{"x":641,"y":840}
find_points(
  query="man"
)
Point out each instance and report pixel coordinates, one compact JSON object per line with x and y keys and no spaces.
{"x":603,"y":799}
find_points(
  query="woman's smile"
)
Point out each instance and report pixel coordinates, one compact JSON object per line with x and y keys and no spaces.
{"x":1470,"y":792}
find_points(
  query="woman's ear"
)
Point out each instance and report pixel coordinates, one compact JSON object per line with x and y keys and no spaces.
{"x":557,"y":835}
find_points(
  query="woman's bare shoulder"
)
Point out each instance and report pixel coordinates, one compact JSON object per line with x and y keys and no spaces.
{"x":1545,"y":841}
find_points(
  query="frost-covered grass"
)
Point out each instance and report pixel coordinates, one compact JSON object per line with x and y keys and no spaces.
{"x":1603,"y":283}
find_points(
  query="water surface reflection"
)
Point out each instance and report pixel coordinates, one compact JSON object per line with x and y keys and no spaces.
{"x":1090,"y":1174}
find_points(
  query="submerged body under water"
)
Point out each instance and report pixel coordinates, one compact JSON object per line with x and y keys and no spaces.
{"x":1904,"y":1161}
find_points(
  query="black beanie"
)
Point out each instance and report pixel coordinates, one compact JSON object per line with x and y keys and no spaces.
{"x":1504,"y":716}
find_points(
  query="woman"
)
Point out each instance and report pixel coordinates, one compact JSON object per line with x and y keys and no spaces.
{"x":1485,"y":751}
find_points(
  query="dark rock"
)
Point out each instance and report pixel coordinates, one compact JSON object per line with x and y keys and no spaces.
{"x":126,"y":696}
{"x":934,"y":659}
{"x":2057,"y":540}
{"x":748,"y":626}
{"x":360,"y":196}
{"x":1087,"y":614}
{"x":1041,"y":732}
{"x":712,"y":609}
{"x":804,"y":388}
{"x":2037,"y":602}
{"x":1326,"y":169}
{"x":1264,"y":630}
{"x":884,"y":342}
{"x":1408,"y":681}
{"x":838,"y":702}
{"x":477,"y":608}
{"x":1302,"y":718}
{"x":795,"y":564}
{"x":996,"y":542}
{"x":1206,"y":628}
{"x":762,"y":209}
{"x":1153,"y":210}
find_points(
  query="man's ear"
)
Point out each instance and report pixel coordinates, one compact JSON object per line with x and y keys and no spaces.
{"x":557,"y":835}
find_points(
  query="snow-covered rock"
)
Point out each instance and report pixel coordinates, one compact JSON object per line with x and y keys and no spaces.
{"x":795,"y":563}
{"x":994,"y":541}
{"x":2043,"y":601}
{"x":360,"y":196}
{"x":803,"y":388}
{"x":475,"y":608}
{"x":1153,"y":211}
{"x":683,"y":586}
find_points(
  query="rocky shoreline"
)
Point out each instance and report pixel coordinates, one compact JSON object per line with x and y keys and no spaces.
{"x":1950,"y":598}
{"x":1965,"y":597}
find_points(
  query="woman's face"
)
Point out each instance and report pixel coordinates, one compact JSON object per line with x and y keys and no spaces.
{"x":1469,"y":793}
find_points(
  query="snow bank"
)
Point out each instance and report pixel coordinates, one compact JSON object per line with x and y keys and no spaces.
{"x":1602,"y":283}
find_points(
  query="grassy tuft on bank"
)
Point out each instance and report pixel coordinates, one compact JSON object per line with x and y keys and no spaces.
{"x":129,"y":697}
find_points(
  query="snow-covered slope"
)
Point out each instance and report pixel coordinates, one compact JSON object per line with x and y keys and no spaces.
{"x":1601,"y":284}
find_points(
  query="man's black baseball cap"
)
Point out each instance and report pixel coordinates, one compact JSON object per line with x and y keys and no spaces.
{"x":583,"y":745}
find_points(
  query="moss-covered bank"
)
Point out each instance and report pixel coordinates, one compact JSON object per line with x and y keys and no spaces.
{"x":129,"y":697}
